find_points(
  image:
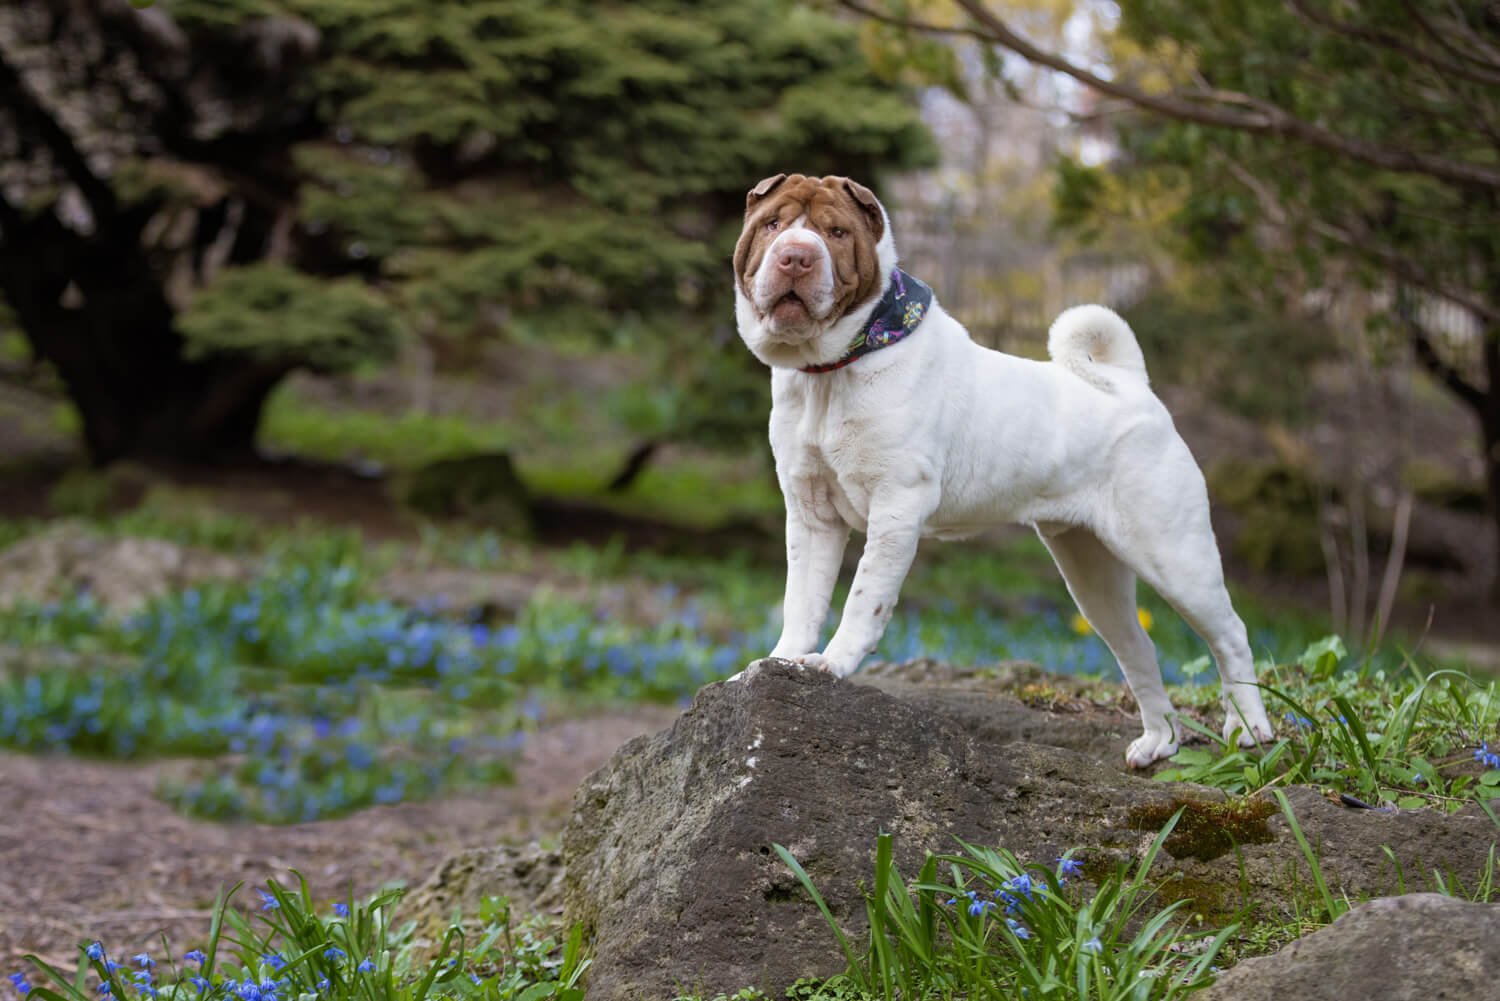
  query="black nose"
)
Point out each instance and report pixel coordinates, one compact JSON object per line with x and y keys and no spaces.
{"x":795,"y":260}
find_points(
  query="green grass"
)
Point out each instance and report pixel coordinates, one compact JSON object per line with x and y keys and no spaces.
{"x":978,"y":923}
{"x":398,"y":441}
{"x":344,"y":951}
{"x":1405,"y":736}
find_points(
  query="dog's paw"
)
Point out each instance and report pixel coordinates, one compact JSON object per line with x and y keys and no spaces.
{"x":1247,"y":732}
{"x":1153,"y":745}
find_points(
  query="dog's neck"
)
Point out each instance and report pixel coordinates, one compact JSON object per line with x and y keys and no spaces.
{"x":894,"y":318}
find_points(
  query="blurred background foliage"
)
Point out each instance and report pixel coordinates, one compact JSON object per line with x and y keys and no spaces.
{"x":419,"y":314}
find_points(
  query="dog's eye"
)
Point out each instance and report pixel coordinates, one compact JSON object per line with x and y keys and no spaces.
{"x":773,"y":225}
{"x":837,"y":233}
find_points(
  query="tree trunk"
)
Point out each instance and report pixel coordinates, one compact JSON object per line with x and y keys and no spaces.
{"x":94,"y":309}
{"x":1489,"y":440}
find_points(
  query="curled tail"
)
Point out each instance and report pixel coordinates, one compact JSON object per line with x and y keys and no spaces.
{"x":1095,"y":344}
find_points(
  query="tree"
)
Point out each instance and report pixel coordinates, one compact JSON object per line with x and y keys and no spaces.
{"x":1308,"y":136}
{"x":200,"y":197}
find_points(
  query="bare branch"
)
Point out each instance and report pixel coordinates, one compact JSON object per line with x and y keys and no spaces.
{"x":1361,"y":33}
{"x":1426,"y":354}
{"x":1365,"y":245}
{"x":1226,"y":109}
{"x":1466,"y":49}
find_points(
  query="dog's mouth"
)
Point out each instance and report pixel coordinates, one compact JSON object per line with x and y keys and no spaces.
{"x":789,"y":310}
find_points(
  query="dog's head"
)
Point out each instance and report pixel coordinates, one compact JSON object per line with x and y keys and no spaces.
{"x":814,"y":258}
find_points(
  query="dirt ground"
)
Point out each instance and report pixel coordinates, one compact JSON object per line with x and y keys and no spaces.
{"x":88,"y":852}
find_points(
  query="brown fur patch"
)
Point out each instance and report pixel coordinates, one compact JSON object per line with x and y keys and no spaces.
{"x":830,"y":204}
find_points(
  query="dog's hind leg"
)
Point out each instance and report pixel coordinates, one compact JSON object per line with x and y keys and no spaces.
{"x":1176,"y":554}
{"x":1104,"y":589}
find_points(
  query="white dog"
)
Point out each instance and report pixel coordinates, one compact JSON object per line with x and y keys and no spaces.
{"x":887,"y":418}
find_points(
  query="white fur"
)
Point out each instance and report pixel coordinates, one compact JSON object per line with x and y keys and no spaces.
{"x":937,"y":436}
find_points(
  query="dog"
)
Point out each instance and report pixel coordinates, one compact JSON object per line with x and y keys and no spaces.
{"x":888,"y":419}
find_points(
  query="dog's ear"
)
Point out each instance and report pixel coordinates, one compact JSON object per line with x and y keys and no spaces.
{"x":761,"y":190}
{"x":869,"y":204}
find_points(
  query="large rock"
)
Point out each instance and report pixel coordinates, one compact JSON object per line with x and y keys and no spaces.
{"x":122,"y":574}
{"x":669,"y":860}
{"x":1420,"y":947}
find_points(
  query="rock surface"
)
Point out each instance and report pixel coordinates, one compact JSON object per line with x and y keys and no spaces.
{"x":529,"y":876}
{"x":1420,"y":947}
{"x":123,"y":574}
{"x":669,"y":859}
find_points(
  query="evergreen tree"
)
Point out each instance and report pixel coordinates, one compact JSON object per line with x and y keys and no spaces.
{"x":201,"y":196}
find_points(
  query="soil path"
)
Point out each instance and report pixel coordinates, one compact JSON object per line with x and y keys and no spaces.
{"x":88,"y":852}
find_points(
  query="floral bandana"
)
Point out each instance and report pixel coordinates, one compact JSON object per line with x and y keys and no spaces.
{"x":899,"y":313}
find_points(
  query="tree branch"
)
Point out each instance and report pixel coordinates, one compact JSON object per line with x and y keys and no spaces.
{"x":1472,"y":44}
{"x":1362,"y":244}
{"x":29,"y":110}
{"x":1361,"y":33}
{"x":1226,"y":109}
{"x":1422,"y":348}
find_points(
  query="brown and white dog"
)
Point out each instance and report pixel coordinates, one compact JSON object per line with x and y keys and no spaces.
{"x":888,"y":419}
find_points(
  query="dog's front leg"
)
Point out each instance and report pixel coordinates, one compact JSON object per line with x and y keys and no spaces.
{"x":895,"y":524}
{"x":815,"y":542}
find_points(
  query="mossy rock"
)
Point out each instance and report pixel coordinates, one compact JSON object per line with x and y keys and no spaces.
{"x":482,"y":488}
{"x":1278,"y":507}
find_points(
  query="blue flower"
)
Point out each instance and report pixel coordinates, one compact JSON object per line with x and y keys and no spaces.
{"x":365,"y":966}
{"x":143,"y":961}
{"x":1020,"y":884}
{"x":268,"y":902}
{"x":1487,"y":757}
{"x":196,"y":956}
{"x":95,"y":952}
{"x":142,"y":977}
{"x":110,"y":966}
{"x":1093,"y":945}
{"x":1021,"y":931}
{"x":103,"y":988}
{"x":1299,"y":721}
{"x":333,"y":954}
{"x":1068,"y":867}
{"x":199,"y":983}
{"x":978,"y":907}
{"x":274,"y":961}
{"x":19,"y":979}
{"x":322,"y":983}
{"x":342,"y":910}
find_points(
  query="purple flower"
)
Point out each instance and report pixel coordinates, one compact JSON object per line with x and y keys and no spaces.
{"x":19,"y":979}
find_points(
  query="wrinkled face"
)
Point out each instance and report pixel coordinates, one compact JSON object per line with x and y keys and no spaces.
{"x":807,"y":255}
